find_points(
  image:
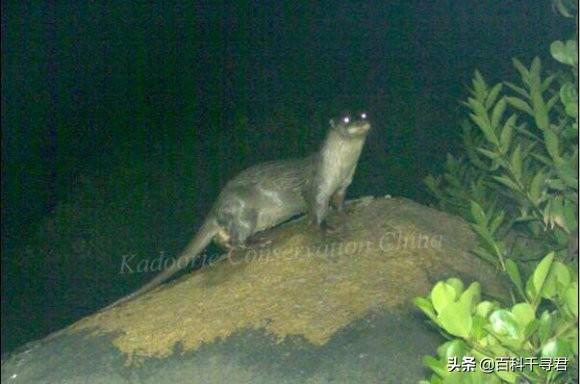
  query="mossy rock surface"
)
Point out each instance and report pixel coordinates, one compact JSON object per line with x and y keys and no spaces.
{"x":309,"y":308}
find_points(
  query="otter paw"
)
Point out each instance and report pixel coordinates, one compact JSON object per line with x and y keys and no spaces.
{"x":328,"y":228}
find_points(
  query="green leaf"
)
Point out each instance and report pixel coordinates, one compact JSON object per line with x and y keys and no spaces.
{"x":478,"y":214}
{"x":562,"y":8}
{"x":507,"y":376}
{"x":554,"y":213}
{"x":571,"y":297}
{"x":558,"y":279}
{"x":565,"y":53}
{"x":504,"y":323}
{"x":524,"y":313}
{"x":514,"y":275}
{"x":556,"y":348}
{"x":456,"y":319}
{"x":456,"y":284}
{"x":433,"y":185}
{"x":556,"y":184}
{"x":492,"y":155}
{"x":522,"y":128}
{"x":439,"y":367}
{"x":516,"y":162}
{"x":571,"y":132}
{"x":522,"y":92}
{"x":479,"y":85}
{"x":425,"y":306}
{"x":497,"y":113}
{"x":570,"y":218}
{"x":547,"y":82}
{"x":531,"y":328}
{"x":540,"y":111}
{"x":478,"y":331}
{"x":569,"y":96}
{"x":568,"y":172}
{"x":453,"y":348}
{"x":485,"y":255}
{"x":521,"y":69}
{"x":507,"y":182}
{"x":519,"y":104}
{"x":535,"y":70}
{"x":486,"y":237}
{"x":571,"y":110}
{"x":492,"y":95}
{"x":536,"y":187}
{"x":479,"y":109}
{"x":541,"y":272}
{"x":545,"y":326}
{"x":568,"y":93}
{"x":442,"y":295}
{"x":484,"y":308}
{"x":485,"y":127}
{"x":552,"y":143}
{"x":471,"y":295}
{"x":496,"y":222}
{"x":505,"y":137}
{"x":551,"y":102}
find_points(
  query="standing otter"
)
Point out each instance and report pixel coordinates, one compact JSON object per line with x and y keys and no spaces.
{"x":336,"y":164}
{"x":268,"y":194}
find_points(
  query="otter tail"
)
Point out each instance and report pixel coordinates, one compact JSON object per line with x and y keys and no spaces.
{"x":201,"y":240}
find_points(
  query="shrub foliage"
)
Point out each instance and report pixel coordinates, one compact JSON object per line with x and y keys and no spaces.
{"x":517,"y":184}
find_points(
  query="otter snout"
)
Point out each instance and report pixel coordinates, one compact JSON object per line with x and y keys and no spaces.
{"x":359,"y":128}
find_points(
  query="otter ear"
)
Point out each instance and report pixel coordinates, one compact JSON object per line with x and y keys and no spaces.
{"x":332,"y":123}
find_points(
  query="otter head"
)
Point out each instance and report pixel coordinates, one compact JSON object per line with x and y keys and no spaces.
{"x":349,"y":125}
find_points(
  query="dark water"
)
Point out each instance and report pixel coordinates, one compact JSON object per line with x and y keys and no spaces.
{"x":144,"y":110}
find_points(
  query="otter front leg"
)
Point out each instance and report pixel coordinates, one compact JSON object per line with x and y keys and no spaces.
{"x":337,"y":200}
{"x":319,"y":211}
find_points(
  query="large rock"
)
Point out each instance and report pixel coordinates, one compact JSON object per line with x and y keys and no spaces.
{"x":310,"y":308}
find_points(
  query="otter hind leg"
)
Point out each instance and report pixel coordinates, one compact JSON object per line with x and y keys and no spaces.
{"x":238,"y":228}
{"x":235,"y":231}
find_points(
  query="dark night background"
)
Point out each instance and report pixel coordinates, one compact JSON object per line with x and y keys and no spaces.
{"x":121,"y":120}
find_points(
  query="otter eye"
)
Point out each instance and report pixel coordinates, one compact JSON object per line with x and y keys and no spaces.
{"x":346,"y":120}
{"x":363,"y":116}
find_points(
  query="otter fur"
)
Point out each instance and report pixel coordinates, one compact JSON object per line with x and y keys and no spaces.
{"x":270,"y":193}
{"x":336,"y":164}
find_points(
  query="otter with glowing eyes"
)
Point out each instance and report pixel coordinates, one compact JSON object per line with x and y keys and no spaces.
{"x":270,"y":193}
{"x":336,"y":164}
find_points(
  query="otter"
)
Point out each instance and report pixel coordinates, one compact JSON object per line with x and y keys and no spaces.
{"x":270,"y":193}
{"x":336,"y":164}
